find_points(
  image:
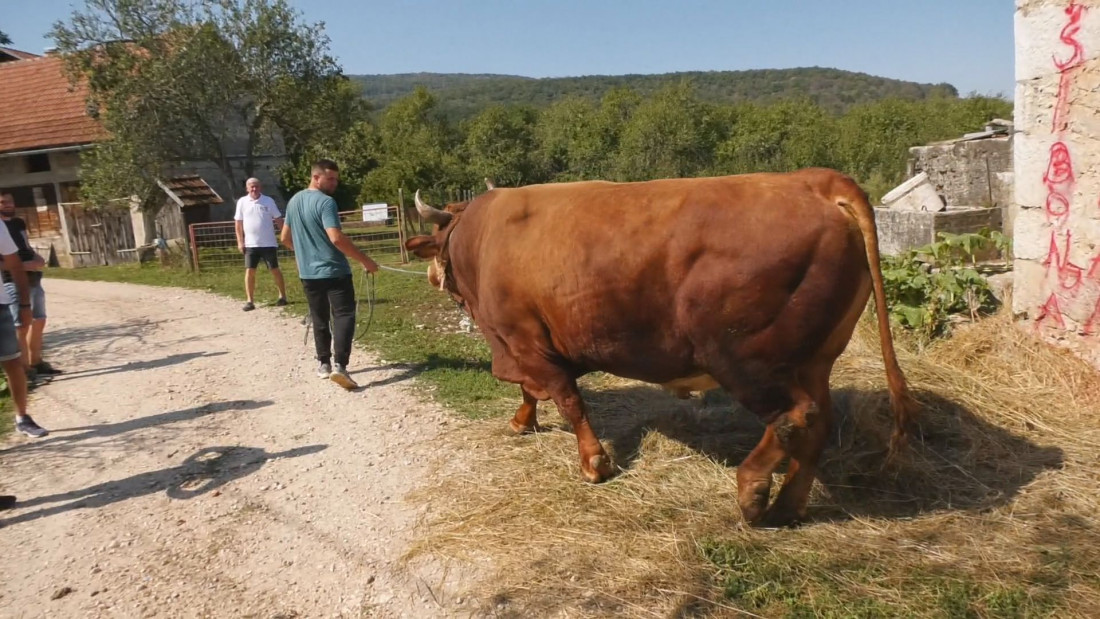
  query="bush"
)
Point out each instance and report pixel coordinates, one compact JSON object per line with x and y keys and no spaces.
{"x":927,"y":288}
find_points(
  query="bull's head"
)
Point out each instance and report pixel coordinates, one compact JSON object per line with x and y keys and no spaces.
{"x":430,"y":246}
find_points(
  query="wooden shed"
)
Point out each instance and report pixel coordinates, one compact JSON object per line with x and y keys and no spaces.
{"x":189,"y":200}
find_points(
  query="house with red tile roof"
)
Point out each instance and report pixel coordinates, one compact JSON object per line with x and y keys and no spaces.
{"x":45,"y":124}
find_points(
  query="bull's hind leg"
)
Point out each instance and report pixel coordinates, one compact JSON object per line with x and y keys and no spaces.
{"x":754,"y":474}
{"x":799,"y":432}
{"x":804,"y":432}
{"x":526,"y":418}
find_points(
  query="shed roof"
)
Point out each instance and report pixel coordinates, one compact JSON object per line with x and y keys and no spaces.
{"x":189,"y":191}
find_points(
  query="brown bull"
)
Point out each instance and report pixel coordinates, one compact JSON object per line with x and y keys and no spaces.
{"x":752,"y":282}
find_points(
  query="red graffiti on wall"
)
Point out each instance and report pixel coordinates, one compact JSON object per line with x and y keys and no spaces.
{"x":1068,"y":35}
{"x":1094,"y":269}
{"x":1050,"y":309}
{"x":1061,"y":104}
{"x":1067,"y":282}
{"x":1059,"y":180}
{"x":1070,"y":275}
{"x":1093,"y":323}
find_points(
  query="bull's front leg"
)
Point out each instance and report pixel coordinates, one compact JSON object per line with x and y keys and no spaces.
{"x":526,"y":419}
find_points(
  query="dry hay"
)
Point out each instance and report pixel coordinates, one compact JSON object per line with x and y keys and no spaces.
{"x":992,"y":512}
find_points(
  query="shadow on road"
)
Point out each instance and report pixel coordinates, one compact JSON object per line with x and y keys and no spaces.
{"x":203,"y":471}
{"x":66,"y":436}
{"x":135,"y":366}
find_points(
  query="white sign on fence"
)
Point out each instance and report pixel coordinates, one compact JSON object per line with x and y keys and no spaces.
{"x":375,"y":212}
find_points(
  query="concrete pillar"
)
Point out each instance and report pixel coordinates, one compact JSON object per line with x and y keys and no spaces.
{"x":1057,"y":171}
{"x":144,"y":223}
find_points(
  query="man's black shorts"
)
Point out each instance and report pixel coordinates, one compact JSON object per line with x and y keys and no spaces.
{"x":252,"y":256}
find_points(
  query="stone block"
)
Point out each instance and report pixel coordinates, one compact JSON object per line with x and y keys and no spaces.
{"x":1031,"y":234}
{"x":899,"y":230}
{"x":1028,"y":286}
{"x":915,"y":194}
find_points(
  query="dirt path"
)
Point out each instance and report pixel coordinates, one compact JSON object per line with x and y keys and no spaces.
{"x":197,"y":467}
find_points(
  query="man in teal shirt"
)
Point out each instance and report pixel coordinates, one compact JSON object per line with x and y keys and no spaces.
{"x":321,"y":249}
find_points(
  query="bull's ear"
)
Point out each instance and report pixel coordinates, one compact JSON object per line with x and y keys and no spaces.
{"x":423,"y":246}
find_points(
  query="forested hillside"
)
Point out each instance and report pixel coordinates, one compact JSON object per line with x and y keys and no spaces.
{"x":627,"y":135}
{"x":463,"y":95}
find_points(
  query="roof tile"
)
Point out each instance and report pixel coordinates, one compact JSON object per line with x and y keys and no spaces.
{"x":40,"y":109}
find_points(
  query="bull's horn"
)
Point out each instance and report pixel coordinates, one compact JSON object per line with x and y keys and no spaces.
{"x":429,"y":213}
{"x":490,"y":184}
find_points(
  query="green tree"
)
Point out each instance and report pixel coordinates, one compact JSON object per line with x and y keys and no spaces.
{"x":4,"y":38}
{"x":775,"y":138}
{"x":577,"y":140}
{"x":671,"y":134}
{"x":500,"y":143}
{"x":357,"y":152}
{"x":418,"y":150}
{"x":200,"y":80}
{"x":562,"y":134}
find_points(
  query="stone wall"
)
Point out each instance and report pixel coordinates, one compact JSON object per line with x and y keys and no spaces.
{"x":1057,"y":171}
{"x":967,"y":173}
{"x":900,"y":230}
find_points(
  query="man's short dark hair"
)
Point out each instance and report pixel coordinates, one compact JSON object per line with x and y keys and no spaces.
{"x":324,"y":165}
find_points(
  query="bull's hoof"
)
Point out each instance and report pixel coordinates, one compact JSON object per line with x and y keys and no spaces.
{"x":753,"y":501}
{"x":598,"y":469}
{"x":520,"y":429}
{"x":778,"y":518}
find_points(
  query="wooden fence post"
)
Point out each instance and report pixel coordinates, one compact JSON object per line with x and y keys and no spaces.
{"x":401,"y":233}
{"x":194,"y":248}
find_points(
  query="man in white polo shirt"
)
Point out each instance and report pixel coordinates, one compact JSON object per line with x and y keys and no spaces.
{"x":255,"y":222}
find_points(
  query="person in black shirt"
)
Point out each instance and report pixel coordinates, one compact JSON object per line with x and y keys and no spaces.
{"x":30,"y":336}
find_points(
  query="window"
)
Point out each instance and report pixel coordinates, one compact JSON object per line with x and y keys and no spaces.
{"x":38,"y":163}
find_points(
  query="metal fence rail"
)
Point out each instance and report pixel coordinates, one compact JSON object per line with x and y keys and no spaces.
{"x":214,"y":244}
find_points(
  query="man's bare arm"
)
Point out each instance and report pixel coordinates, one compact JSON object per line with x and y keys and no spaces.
{"x":239,"y":228}
{"x":38,"y":263}
{"x":286,"y":238}
{"x":344,"y":244}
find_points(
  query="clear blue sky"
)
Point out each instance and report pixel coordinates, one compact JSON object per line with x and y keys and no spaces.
{"x":967,"y":43}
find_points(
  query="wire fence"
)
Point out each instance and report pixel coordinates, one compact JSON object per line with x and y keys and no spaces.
{"x":378,"y":234}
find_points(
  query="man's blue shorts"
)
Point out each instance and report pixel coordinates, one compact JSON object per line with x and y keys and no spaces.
{"x":38,"y":302}
{"x":9,"y":345}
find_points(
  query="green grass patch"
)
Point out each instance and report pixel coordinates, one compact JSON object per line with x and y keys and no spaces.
{"x":776,"y":580}
{"x":413,"y":326}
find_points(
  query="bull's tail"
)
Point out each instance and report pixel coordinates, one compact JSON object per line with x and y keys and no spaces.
{"x":854,"y":201}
